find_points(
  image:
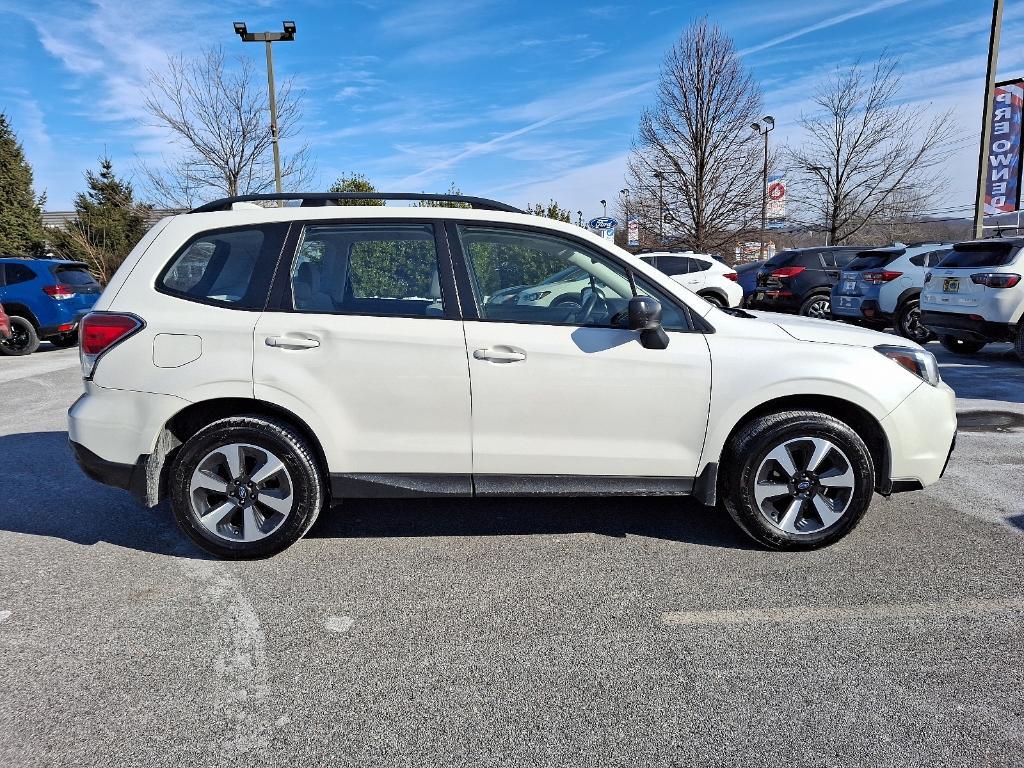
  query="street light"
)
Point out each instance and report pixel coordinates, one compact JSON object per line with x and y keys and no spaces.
{"x":286,"y":36}
{"x":579,"y":218}
{"x":825,"y":174}
{"x":766,"y":126}
{"x":604,"y":204}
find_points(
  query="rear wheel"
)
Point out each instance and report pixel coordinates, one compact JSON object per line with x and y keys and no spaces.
{"x":961,"y":346}
{"x":246,"y":487}
{"x":819,"y":306}
{"x":797,"y":480}
{"x":23,"y":341}
{"x":908,"y":323}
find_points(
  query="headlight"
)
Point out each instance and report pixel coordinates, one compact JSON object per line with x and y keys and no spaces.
{"x":919,"y":362}
{"x":534,"y":296}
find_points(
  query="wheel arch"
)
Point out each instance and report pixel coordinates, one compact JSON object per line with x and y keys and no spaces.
{"x":907,"y":295}
{"x":716,"y":292}
{"x":17,"y":309}
{"x":192,"y":418}
{"x":855,"y":416}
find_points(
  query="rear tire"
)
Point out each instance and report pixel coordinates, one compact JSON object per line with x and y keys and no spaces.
{"x":809,"y":500}
{"x":908,"y":323}
{"x":246,"y":487}
{"x":24,"y":339}
{"x":818,"y":306}
{"x":961,"y":346}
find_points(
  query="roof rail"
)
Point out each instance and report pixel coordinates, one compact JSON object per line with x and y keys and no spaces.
{"x":308,"y":199}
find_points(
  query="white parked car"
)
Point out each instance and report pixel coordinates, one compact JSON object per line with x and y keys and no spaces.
{"x":704,"y":275}
{"x":253,"y":366}
{"x":976,"y":295}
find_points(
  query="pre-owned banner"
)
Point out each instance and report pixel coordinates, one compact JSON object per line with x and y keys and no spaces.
{"x":1003,"y":170}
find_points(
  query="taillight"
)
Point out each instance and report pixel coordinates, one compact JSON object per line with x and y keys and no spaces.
{"x":787,"y":272}
{"x":59,"y":291}
{"x":102,"y":331}
{"x":731,"y":276}
{"x":877,"y":278}
{"x":996,"y":279}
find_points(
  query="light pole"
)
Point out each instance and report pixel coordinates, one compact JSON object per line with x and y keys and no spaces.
{"x":604,"y":205}
{"x":268,"y":38}
{"x":579,"y":218}
{"x":766,"y":126}
{"x":826,"y":175}
{"x":661,"y":207}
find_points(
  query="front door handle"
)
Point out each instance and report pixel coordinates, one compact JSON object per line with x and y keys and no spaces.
{"x":500,"y":354}
{"x":292,"y":342}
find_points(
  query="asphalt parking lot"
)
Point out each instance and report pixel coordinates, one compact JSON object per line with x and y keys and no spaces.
{"x":564,"y":632}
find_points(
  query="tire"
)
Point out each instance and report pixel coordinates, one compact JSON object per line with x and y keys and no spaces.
{"x":202,"y":477}
{"x":24,"y":339}
{"x":908,"y":323}
{"x":818,"y":306}
{"x":1018,"y":344}
{"x":750,"y":470}
{"x":712,"y":298}
{"x":961,"y":346}
{"x":65,"y":340}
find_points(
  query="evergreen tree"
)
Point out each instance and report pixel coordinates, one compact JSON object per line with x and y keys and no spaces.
{"x":21,"y":215}
{"x":357,"y":182}
{"x":108,"y":223}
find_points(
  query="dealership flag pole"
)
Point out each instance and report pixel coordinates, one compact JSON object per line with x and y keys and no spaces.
{"x":986,"y":119}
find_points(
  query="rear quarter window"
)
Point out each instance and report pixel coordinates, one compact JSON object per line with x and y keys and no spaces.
{"x":18,"y":273}
{"x":231,"y":267}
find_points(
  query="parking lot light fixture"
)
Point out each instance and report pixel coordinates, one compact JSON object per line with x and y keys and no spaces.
{"x":764,"y":127}
{"x":267,"y":38}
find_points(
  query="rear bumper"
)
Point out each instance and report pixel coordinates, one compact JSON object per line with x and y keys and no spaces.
{"x":127,"y":477}
{"x":966,"y":326}
{"x":858,"y":308}
{"x":64,"y":322}
{"x":773,"y":300}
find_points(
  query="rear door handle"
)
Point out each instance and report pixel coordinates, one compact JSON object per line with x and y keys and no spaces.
{"x":500,"y":354}
{"x":292,"y":342}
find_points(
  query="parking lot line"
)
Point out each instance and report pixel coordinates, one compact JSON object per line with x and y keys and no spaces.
{"x":840,"y":613}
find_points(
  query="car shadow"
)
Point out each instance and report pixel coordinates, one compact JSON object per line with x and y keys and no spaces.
{"x":995,"y":373}
{"x":43,"y":493}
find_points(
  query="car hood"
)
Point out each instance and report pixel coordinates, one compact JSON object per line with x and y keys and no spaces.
{"x":829,"y":331}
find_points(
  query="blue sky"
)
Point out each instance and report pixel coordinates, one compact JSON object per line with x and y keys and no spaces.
{"x":521,"y":101}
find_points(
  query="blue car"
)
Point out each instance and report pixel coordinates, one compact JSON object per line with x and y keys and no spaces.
{"x":45,"y":299}
{"x":748,"y":278}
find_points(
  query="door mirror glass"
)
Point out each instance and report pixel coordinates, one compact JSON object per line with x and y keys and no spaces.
{"x":644,"y":313}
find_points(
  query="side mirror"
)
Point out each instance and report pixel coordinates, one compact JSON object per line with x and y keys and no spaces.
{"x":645,"y":316}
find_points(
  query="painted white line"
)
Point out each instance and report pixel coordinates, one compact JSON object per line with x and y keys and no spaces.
{"x":4,"y":615}
{"x":339,"y":623}
{"x":871,"y":612}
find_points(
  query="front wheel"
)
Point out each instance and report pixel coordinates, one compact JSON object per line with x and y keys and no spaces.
{"x":908,"y":323}
{"x":819,"y":307}
{"x":246,"y":487}
{"x":23,"y":341}
{"x":797,"y":480}
{"x":961,"y":346}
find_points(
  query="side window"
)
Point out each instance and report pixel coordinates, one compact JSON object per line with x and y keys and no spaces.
{"x":699,"y":265}
{"x":18,"y":273}
{"x":232,"y":267}
{"x":514,"y":276}
{"x":367,"y":269}
{"x":674,"y":265}
{"x":811,"y":260}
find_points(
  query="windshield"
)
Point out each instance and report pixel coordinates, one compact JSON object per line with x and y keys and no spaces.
{"x":873,"y":260}
{"x":972,"y":256}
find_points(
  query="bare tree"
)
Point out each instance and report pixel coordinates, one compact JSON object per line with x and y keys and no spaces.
{"x":219,"y":124}
{"x":866,"y":158}
{"x":698,"y":138}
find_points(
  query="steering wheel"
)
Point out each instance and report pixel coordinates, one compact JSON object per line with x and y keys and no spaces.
{"x":589,"y":304}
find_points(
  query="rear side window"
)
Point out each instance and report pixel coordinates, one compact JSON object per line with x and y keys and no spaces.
{"x":698,"y":265}
{"x":231,"y":267}
{"x":674,"y":265}
{"x":782,"y":259}
{"x":971,"y":256}
{"x":368,"y":269}
{"x":842,"y":258}
{"x":77,"y":276}
{"x":18,"y":273}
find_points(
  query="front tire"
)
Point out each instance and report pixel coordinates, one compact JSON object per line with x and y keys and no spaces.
{"x":24,"y":339}
{"x":908,"y":323}
{"x":819,"y":306}
{"x":246,"y":487}
{"x":797,"y":480}
{"x":961,"y":346}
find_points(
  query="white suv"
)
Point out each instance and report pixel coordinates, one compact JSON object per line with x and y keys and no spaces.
{"x":704,"y":275}
{"x":254,"y":365}
{"x":976,"y":295}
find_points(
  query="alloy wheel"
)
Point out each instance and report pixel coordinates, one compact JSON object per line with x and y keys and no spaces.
{"x":241,"y":492}
{"x":912,"y":327}
{"x":804,"y":485}
{"x":821,"y":309}
{"x":19,"y":339}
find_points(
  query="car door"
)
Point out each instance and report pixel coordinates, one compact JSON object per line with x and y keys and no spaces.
{"x":363,"y":341}
{"x":571,"y":394}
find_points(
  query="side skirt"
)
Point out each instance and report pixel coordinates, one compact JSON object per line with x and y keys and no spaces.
{"x":408,"y":486}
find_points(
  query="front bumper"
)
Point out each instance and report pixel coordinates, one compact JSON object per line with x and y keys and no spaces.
{"x":921,"y":432}
{"x":969,"y":327}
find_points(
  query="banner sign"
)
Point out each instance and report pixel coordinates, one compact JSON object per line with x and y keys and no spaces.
{"x":633,"y":231}
{"x":777,"y":197}
{"x":1003,"y":171}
